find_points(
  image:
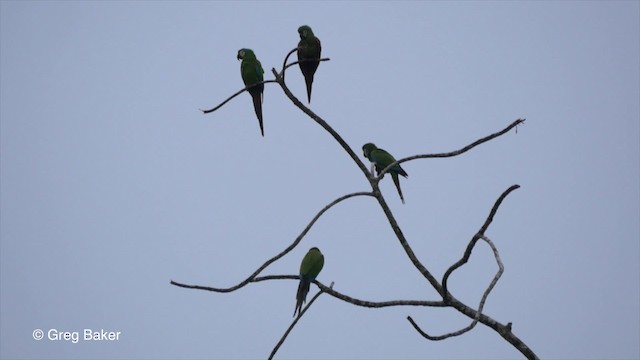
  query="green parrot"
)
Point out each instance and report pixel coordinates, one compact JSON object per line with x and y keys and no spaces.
{"x":308,"y":48}
{"x":381,"y":159}
{"x":309,"y":269}
{"x":251,"y":71}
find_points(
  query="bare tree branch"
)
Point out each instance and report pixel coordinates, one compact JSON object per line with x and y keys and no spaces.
{"x":295,"y":321}
{"x":322,"y":123}
{"x":496,"y":277}
{"x":285,"y":251}
{"x":378,"y":304}
{"x":285,"y":66}
{"x":474,"y":240}
{"x":502,"y":329}
{"x":284,"y":63}
{"x":304,"y":60}
{"x":440,"y":337}
{"x":330,"y":291}
{"x":455,"y":152}
{"x":236,"y":94}
{"x":494,"y":281}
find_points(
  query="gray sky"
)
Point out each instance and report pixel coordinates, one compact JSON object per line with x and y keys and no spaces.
{"x":113,"y":183}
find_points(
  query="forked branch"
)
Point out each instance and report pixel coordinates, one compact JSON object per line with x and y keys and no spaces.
{"x":474,"y":239}
{"x":473,"y":323}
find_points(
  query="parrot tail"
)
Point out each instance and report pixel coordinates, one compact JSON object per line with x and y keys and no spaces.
{"x":301,"y":296}
{"x":257,"y":105}
{"x":308,"y":79}
{"x":402,"y":172}
{"x":396,"y":181}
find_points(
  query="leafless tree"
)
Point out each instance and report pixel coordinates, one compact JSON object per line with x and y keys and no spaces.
{"x":446,"y":298}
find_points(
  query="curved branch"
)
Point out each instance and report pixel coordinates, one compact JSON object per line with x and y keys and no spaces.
{"x":493,"y":283}
{"x":502,"y":329}
{"x":455,"y":152}
{"x":495,"y":279}
{"x":236,"y":94}
{"x":440,"y":337}
{"x":285,"y":66}
{"x":281,"y":254}
{"x":450,"y":300}
{"x":284,"y":63}
{"x":474,"y":240}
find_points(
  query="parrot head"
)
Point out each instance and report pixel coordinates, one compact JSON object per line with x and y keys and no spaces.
{"x":367,"y":149}
{"x":245,"y":53}
{"x":305,"y":32}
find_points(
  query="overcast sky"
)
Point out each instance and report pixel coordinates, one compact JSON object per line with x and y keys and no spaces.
{"x":113,"y":182}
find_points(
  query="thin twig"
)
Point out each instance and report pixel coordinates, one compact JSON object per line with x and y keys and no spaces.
{"x":281,"y":254}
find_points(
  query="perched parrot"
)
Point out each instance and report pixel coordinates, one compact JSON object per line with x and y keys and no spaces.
{"x":309,"y":269}
{"x":251,"y":71}
{"x":381,"y":159}
{"x":308,"y":48}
